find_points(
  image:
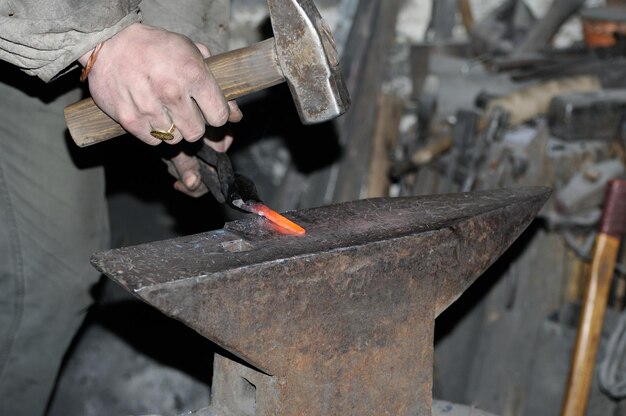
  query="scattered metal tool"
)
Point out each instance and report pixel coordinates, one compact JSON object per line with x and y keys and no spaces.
{"x":420,"y":157}
{"x":463,"y":137}
{"x":546,"y":28}
{"x":478,"y":151}
{"x":587,"y":115}
{"x":339,"y":321}
{"x":302,"y":53}
{"x":235,"y":189}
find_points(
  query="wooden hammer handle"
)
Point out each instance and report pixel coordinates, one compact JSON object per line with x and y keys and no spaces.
{"x":239,"y":72}
{"x":594,"y":303}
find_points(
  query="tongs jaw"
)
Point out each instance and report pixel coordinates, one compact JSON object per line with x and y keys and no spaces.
{"x":217,"y":172}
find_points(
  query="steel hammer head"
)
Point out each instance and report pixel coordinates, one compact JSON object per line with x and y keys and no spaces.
{"x":308,"y":57}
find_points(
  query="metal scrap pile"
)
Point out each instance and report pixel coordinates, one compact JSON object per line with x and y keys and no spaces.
{"x":540,"y":115}
{"x":507,"y":109}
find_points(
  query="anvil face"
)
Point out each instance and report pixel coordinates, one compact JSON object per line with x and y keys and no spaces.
{"x":330,"y":317}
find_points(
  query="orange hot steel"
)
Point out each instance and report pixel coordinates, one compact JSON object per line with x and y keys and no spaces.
{"x":276,"y":218}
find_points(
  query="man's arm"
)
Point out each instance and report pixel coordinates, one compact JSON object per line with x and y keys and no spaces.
{"x":44,"y":38}
{"x":144,"y":77}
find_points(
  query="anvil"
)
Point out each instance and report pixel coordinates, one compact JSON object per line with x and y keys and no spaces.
{"x":339,"y":321}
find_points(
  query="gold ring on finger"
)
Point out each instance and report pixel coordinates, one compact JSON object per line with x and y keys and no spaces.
{"x":164,"y":134}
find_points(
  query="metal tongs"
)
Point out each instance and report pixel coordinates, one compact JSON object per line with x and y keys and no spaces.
{"x":235,"y":189}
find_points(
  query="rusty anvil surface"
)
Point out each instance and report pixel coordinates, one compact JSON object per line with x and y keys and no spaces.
{"x":339,"y":321}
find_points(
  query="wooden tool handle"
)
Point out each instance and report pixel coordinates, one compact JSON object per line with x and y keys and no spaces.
{"x":594,"y":303}
{"x":614,"y":210}
{"x":238,"y":73}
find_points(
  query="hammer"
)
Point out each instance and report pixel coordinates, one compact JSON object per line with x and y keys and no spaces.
{"x":302,"y":53}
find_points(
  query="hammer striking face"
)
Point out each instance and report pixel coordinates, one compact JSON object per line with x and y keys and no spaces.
{"x":307,"y":55}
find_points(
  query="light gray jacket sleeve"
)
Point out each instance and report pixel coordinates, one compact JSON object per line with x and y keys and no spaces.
{"x":44,"y":38}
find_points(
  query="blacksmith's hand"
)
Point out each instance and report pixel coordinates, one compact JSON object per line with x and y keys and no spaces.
{"x":156,"y":85}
